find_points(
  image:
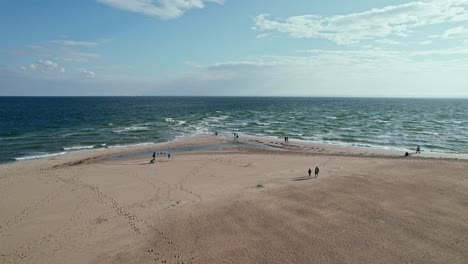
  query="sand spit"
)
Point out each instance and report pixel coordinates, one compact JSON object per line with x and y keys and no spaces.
{"x":238,"y":205}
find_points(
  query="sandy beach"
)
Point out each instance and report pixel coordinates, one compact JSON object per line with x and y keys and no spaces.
{"x":249,"y":201}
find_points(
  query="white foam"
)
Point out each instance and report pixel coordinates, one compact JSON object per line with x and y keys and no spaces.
{"x":263,"y":123}
{"x":132,"y":145}
{"x":78,"y":147}
{"x":130,"y":129}
{"x":39,"y":156}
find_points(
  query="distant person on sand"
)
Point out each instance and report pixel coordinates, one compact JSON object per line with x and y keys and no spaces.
{"x":168,"y":155}
{"x":310,"y":171}
{"x":154,"y":157}
{"x":316,"y":172}
{"x":406,"y":154}
{"x":418,"y":149}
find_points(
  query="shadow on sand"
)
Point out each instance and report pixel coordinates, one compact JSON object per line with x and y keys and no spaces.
{"x":303,"y":178}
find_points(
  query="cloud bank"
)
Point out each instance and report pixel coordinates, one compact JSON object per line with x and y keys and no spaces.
{"x":164,"y":9}
{"x":397,"y":20}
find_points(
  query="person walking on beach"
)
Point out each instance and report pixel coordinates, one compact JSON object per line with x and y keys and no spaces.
{"x":310,"y":171}
{"x":418,"y":149}
{"x":154,"y":157}
{"x":316,"y":172}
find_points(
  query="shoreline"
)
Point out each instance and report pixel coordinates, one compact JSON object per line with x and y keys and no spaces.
{"x":261,"y":141}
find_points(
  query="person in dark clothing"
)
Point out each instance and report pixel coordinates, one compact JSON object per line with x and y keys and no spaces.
{"x":418,"y":149}
{"x":154,"y":157}
{"x":316,"y":172}
{"x":310,"y":171}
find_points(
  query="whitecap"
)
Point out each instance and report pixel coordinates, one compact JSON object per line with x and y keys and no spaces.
{"x":130,"y":129}
{"x":263,"y":123}
{"x":78,"y":147}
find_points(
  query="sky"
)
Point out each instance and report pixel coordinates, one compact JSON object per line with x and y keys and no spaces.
{"x":359,"y":48}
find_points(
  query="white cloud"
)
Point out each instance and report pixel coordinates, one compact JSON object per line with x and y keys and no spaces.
{"x":263,"y":35}
{"x":87,"y":73}
{"x":426,"y":42}
{"x":72,"y":55}
{"x":165,"y":9}
{"x":452,"y":33}
{"x":397,"y":20}
{"x":45,"y":66}
{"x":452,"y":51}
{"x":75,"y":43}
{"x":387,"y":42}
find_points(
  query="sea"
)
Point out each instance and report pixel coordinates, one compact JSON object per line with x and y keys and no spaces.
{"x":37,"y":127}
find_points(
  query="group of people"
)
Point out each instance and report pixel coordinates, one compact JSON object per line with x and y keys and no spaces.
{"x":236,"y":136}
{"x":286,"y":139}
{"x":317,"y":170}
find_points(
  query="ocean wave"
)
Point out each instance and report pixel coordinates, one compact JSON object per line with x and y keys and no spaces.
{"x":130,"y":129}
{"x":77,"y":147}
{"x":39,"y":156}
{"x":215,"y":118}
{"x":263,"y":123}
{"x":174,"y":121}
{"x":331,"y":117}
{"x":131,"y":145}
{"x":382,"y":121}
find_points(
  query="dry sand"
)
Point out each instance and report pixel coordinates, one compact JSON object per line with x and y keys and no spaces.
{"x":240,"y":205}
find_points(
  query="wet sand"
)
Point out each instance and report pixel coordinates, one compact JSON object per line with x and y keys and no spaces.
{"x":249,"y":201}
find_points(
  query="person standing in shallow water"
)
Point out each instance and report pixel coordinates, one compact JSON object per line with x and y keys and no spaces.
{"x":310,"y":172}
{"x":317,"y":170}
{"x":418,"y":149}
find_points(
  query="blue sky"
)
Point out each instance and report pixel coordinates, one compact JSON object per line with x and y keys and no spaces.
{"x":234,"y":47}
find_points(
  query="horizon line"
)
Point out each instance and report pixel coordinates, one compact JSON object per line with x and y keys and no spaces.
{"x":243,"y":96}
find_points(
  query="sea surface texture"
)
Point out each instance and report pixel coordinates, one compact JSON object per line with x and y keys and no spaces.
{"x":32,"y":127}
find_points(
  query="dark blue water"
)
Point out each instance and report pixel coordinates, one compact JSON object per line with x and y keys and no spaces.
{"x":41,"y":126}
